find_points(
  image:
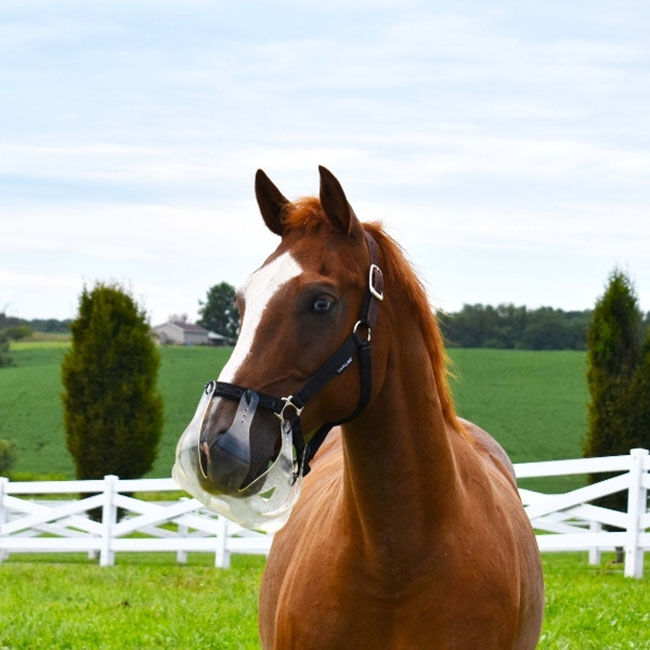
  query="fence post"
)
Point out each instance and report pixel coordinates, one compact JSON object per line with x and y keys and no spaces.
{"x":636,"y":506}
{"x":594,"y":551}
{"x":3,"y":514}
{"x":109,"y":519}
{"x":222,"y":554}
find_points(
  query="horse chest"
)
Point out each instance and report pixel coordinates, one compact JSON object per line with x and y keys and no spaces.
{"x":331,"y":598}
{"x":326,"y":594}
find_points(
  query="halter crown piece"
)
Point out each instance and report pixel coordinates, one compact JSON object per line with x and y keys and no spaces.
{"x":277,"y":489}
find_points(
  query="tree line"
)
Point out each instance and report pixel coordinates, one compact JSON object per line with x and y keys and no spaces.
{"x":510,"y":327}
{"x":15,"y":329}
{"x":48,"y":325}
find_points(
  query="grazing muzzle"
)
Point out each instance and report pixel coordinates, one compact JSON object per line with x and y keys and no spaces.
{"x":264,"y":503}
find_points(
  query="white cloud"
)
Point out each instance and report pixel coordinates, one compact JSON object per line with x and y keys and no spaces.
{"x":128,"y":145}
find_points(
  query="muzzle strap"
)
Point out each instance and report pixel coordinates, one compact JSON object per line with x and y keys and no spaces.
{"x":235,"y":392}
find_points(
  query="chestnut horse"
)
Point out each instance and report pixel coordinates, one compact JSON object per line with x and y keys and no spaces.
{"x":409,"y":532}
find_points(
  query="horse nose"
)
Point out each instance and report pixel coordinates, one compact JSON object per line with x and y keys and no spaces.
{"x":226,"y":457}
{"x":225,"y":464}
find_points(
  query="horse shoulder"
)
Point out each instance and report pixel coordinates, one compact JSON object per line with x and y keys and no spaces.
{"x":491,"y":451}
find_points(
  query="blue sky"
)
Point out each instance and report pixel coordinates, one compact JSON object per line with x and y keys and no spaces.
{"x":505,"y":145}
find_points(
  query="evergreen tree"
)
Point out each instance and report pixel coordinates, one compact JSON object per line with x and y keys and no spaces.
{"x":616,"y":376}
{"x":638,"y":401}
{"x":112,"y":410}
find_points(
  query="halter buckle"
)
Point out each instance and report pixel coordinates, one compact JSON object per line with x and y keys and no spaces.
{"x":376,"y":282}
{"x":287,"y":402}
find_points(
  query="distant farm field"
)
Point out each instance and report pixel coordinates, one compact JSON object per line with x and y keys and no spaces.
{"x":534,"y":403}
{"x":31,"y":411}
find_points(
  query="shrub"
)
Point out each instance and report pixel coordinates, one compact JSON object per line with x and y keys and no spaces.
{"x":7,"y":455}
{"x":112,"y":410}
{"x":5,"y":358}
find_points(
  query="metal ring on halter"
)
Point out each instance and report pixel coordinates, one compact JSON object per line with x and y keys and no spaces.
{"x":362,"y":324}
{"x":287,"y":402}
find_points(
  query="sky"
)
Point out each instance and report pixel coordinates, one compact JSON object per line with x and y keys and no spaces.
{"x":505,"y":145}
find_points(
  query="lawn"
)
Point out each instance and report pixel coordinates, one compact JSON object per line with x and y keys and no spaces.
{"x":148,"y":601}
{"x":145,"y":601}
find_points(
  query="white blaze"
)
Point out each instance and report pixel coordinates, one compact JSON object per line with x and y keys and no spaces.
{"x":258,"y":291}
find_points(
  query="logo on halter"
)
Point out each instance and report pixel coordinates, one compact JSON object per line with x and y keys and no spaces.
{"x":344,"y":366}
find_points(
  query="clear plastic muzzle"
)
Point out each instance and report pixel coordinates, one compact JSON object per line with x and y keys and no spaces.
{"x":265,"y":504}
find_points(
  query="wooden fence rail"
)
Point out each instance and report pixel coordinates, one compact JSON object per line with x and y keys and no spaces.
{"x":53,"y":516}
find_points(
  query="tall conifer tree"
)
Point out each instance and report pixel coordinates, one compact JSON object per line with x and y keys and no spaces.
{"x":112,"y":409}
{"x":618,"y":377}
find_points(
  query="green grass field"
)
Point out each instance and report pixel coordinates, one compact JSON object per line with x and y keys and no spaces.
{"x":534,"y":403}
{"x":31,"y":412}
{"x":148,"y":601}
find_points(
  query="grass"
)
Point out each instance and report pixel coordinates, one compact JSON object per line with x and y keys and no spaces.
{"x":593,"y":608}
{"x":31,"y":412}
{"x":533,"y":403}
{"x":143,"y":602}
{"x":30,"y":408}
{"x":151,"y":602}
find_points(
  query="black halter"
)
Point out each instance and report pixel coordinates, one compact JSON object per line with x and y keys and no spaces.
{"x":288,"y":409}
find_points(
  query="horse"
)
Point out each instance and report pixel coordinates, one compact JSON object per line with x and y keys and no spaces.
{"x":409,"y":531}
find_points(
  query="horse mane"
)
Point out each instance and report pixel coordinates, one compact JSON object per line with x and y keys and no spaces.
{"x":306,"y":215}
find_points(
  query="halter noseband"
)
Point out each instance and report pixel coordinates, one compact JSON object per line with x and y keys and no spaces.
{"x":288,"y":409}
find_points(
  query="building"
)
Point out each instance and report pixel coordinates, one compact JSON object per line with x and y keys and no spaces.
{"x":180,"y":333}
{"x":218,"y":339}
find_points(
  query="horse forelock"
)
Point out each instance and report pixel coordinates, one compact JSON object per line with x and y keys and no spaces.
{"x":306,"y":215}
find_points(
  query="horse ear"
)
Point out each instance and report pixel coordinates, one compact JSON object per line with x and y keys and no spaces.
{"x":336,"y":206}
{"x":271,"y":201}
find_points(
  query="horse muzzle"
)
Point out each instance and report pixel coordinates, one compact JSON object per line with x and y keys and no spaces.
{"x":221,"y":475}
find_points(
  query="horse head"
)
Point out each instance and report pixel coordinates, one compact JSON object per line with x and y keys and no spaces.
{"x":306,"y":316}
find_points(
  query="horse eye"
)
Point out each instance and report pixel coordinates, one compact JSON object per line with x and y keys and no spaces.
{"x":322,"y":305}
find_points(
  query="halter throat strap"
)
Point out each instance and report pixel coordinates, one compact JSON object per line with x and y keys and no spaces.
{"x":288,"y":409}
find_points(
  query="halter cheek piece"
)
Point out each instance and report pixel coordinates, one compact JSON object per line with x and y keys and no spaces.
{"x":236,"y":441}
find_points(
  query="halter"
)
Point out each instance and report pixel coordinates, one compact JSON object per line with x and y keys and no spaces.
{"x":288,"y":409}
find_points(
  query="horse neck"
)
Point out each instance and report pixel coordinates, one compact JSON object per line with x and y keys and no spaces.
{"x":400,"y":476}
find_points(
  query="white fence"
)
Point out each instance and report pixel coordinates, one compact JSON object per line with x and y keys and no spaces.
{"x":572,"y":523}
{"x":29,"y":522}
